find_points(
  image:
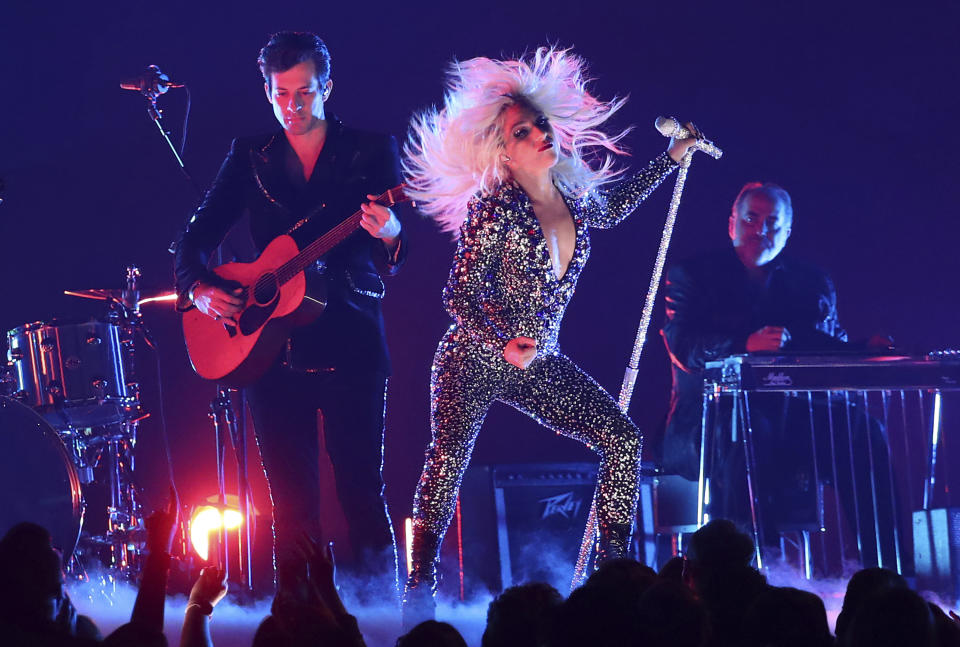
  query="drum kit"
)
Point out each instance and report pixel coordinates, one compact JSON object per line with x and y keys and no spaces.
{"x":69,"y":410}
{"x":69,"y":418}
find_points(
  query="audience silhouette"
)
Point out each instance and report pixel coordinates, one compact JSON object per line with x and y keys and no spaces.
{"x":710,"y":597}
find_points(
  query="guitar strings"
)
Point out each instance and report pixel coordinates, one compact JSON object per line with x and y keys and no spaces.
{"x":264,"y":285}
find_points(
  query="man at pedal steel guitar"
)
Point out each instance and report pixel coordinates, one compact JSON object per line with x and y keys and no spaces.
{"x":302,"y":181}
{"x":746,"y":299}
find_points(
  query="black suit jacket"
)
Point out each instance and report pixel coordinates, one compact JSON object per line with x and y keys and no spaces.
{"x":257,"y":193}
{"x":712,"y":307}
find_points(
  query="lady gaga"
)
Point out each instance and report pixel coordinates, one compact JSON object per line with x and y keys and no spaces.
{"x":516,"y":164}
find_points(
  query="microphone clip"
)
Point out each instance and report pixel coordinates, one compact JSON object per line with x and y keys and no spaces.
{"x":151,"y":83}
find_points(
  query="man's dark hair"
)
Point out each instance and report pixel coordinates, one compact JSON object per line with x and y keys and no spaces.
{"x":432,"y":633}
{"x":787,"y":617}
{"x":593,"y":615}
{"x":521,"y":615}
{"x":864,"y":584}
{"x":720,"y":544}
{"x":628,"y":576}
{"x":719,"y":571}
{"x":669,"y":613}
{"x":288,"y":48}
{"x":30,"y":567}
{"x":893,"y":617}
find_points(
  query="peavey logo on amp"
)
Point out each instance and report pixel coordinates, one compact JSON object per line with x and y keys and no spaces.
{"x":777,"y":379}
{"x":562,"y":504}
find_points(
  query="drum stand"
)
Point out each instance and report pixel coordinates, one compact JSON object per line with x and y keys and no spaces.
{"x":125,"y":533}
{"x":125,"y":529}
{"x":225,"y":424}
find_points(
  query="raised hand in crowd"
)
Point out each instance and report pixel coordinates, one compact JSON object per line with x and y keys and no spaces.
{"x":321,"y":576}
{"x":207,"y":591}
{"x":307,"y":607}
{"x":162,"y":525}
{"x":161,"y":528}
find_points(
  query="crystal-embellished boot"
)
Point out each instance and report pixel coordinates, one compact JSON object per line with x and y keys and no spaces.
{"x":614,"y":542}
{"x":419,"y":603}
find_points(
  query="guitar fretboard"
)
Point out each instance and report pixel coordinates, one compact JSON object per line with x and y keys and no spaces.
{"x":309,"y":254}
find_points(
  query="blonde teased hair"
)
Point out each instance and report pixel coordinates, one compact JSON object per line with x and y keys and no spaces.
{"x":454,"y":153}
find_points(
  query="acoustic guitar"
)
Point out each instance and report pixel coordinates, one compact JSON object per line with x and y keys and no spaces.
{"x":273,"y":289}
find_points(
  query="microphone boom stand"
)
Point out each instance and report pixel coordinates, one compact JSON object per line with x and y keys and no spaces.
{"x":630,"y":376}
{"x":222,"y":412}
{"x":151,"y":88}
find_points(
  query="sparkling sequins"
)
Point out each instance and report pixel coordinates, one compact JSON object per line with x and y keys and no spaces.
{"x":502,"y":285}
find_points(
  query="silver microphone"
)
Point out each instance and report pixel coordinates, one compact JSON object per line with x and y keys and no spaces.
{"x":670,"y":127}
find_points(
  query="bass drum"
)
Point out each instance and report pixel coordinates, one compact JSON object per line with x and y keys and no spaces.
{"x":38,"y":481}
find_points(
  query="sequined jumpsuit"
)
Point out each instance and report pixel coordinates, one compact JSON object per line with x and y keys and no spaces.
{"x":502,"y":285}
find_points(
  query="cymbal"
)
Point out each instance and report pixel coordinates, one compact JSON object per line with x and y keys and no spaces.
{"x":146,"y":296}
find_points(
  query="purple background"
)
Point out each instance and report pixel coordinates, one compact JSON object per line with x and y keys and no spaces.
{"x":851,"y":108}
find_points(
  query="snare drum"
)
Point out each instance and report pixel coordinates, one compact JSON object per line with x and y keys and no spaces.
{"x":71,"y":373}
{"x":38,"y":481}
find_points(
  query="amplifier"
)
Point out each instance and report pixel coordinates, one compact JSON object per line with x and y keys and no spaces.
{"x":675,"y":504}
{"x":524,"y":522}
{"x":936,"y":550}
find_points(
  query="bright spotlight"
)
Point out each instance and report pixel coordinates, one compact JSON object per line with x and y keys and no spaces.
{"x":207,"y":520}
{"x":408,"y":542}
{"x":232,"y":519}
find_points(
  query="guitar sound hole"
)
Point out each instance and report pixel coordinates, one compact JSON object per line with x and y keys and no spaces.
{"x":265,"y":290}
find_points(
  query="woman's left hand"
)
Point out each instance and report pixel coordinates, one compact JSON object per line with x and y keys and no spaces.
{"x":679,"y":147}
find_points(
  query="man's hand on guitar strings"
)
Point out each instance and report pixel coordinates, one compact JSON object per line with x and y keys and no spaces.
{"x":216,"y":302}
{"x":380,"y":222}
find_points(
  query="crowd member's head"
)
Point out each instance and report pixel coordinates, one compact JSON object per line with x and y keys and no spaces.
{"x":717,"y":568}
{"x":594,"y":615}
{"x":296,"y":75}
{"x":787,"y":617}
{"x":623,"y":577}
{"x":34,"y":606}
{"x":672,"y":570}
{"x":300,"y":628}
{"x":718,"y":544}
{"x":132,"y":635}
{"x":431,"y":633}
{"x":864,"y":584}
{"x":31,"y":577}
{"x":669,"y":615}
{"x":760,"y":223}
{"x":893,"y":618}
{"x":521,"y":616}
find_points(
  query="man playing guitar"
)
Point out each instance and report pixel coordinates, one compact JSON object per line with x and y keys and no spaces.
{"x":301,"y":182}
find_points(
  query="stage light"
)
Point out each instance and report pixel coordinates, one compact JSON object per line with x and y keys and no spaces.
{"x":232,"y":519}
{"x":408,"y":539}
{"x":205,"y":521}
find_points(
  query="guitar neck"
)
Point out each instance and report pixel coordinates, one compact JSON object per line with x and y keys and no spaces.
{"x":309,"y":254}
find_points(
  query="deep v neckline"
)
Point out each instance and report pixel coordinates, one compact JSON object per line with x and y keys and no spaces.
{"x":544,"y":241}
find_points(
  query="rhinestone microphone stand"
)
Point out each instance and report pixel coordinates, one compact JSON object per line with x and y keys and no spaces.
{"x":668,"y":128}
